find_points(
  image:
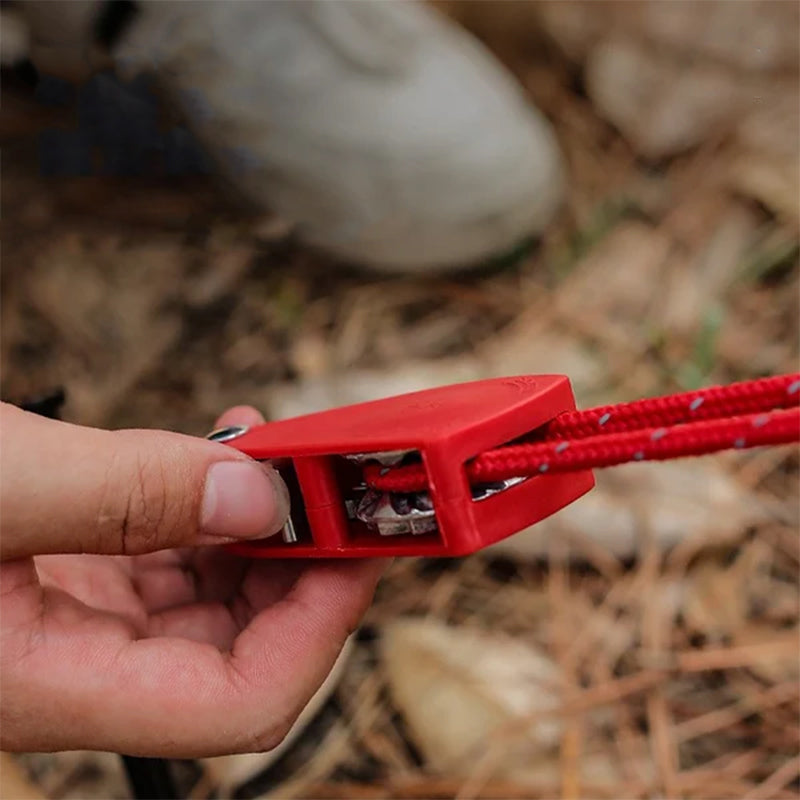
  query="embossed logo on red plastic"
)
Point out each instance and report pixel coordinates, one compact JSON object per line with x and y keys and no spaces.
{"x":522,"y":383}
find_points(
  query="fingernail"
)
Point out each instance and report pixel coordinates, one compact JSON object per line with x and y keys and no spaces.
{"x":243,"y":500}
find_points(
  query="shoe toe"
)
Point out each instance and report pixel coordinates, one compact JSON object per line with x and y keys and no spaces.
{"x":454,"y":170}
{"x":418,"y":151}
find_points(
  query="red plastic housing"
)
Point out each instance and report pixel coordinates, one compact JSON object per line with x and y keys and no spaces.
{"x":448,"y":426}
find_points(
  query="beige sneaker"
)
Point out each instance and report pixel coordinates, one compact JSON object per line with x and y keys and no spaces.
{"x":389,"y":136}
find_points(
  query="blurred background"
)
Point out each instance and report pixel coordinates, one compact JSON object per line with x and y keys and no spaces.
{"x":641,"y":643}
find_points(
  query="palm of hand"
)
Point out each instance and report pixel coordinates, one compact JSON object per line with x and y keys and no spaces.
{"x":205,"y":595}
{"x":178,"y":653}
{"x":192,"y":636}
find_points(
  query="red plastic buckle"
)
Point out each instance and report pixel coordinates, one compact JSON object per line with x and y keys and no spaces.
{"x":446,"y":427}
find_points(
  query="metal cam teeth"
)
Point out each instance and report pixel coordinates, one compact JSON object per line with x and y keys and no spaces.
{"x":393,"y":515}
{"x":386,"y":458}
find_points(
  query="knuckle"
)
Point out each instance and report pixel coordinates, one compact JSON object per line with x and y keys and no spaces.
{"x":137,"y":508}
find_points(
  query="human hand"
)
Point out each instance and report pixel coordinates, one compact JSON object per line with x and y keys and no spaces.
{"x":139,"y":648}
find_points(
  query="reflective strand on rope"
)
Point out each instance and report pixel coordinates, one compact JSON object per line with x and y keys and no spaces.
{"x":715,"y":402}
{"x":739,"y":416}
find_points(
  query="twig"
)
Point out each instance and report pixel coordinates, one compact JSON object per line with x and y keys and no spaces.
{"x":786,"y":773}
{"x":739,"y":656}
{"x":728,"y":765}
{"x":446,"y":788}
{"x":730,"y":715}
{"x":656,"y":630}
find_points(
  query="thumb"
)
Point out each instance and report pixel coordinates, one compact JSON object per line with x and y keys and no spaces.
{"x":68,"y":489}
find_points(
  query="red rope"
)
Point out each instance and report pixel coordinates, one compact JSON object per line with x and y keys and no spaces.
{"x":742,"y":415}
{"x":715,"y":402}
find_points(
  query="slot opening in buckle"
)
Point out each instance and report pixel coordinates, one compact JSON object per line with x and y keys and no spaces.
{"x":392,"y":514}
{"x":297,"y":530}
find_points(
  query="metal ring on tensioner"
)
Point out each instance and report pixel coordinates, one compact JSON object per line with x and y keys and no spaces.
{"x":227,"y":433}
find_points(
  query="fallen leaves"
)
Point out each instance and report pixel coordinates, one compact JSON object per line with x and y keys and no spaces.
{"x":459,"y":689}
{"x":697,"y":502}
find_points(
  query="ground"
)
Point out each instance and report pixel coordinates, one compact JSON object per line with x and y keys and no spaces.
{"x":158,"y":303}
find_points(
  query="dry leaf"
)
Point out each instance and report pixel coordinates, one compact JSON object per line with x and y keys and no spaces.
{"x":718,"y":598}
{"x":772,"y":181}
{"x":358,"y":386}
{"x":715,"y":604}
{"x":695,"y":287}
{"x":530,"y":348}
{"x":614,"y":289}
{"x":672,"y":502}
{"x":517,"y":354}
{"x":774,"y":667}
{"x":124,"y":291}
{"x":749,"y":35}
{"x":659,"y":106}
{"x":600,"y":773}
{"x":310,"y":354}
{"x":461,"y":689}
{"x":224,"y":269}
{"x":672,"y":75}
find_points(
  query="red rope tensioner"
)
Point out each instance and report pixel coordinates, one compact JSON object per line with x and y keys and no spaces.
{"x":753,"y":413}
